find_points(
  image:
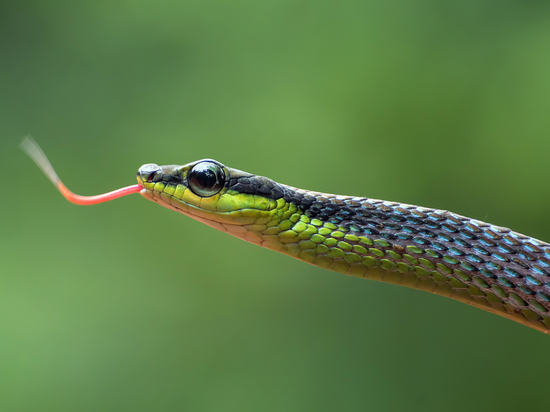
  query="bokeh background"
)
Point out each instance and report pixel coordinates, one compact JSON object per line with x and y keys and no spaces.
{"x":127,"y":306}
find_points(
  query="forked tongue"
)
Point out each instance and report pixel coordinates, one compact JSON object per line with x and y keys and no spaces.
{"x":34,"y":151}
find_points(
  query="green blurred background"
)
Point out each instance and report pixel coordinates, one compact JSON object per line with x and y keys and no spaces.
{"x":127,"y":306}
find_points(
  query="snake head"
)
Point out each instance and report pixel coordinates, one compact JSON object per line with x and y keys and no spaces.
{"x":224,"y":198}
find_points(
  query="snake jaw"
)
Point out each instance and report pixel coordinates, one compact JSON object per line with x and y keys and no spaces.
{"x":228,"y":222}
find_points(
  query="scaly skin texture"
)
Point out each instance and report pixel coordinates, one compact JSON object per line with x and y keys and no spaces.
{"x":489,"y":267}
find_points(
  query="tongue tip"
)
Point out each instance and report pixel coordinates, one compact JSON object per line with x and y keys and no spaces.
{"x":29,"y":146}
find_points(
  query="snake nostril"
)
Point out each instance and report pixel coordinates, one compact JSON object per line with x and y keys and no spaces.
{"x":151,"y":176}
{"x":150,"y":172}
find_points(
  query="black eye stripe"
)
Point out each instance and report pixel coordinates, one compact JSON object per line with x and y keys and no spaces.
{"x":206,"y":179}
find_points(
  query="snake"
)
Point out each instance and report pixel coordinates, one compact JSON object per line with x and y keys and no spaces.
{"x":486,"y":266}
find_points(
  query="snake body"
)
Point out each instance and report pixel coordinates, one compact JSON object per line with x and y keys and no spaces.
{"x":486,"y":266}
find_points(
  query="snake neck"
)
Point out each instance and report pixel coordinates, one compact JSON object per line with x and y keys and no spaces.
{"x":489,"y":267}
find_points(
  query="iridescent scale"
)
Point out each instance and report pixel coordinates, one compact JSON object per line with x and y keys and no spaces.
{"x":507,"y":270}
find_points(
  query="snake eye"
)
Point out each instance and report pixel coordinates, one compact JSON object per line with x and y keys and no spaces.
{"x":206,"y":179}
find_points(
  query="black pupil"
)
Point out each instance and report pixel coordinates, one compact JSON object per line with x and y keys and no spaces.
{"x":206,"y":178}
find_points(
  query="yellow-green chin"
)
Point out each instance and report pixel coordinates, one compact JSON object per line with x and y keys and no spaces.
{"x":244,"y":223}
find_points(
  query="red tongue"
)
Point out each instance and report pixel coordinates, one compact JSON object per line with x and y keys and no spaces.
{"x":37,"y":155}
{"x":94,"y":200}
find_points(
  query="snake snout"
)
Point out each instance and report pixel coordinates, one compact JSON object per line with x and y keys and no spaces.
{"x":150,"y":173}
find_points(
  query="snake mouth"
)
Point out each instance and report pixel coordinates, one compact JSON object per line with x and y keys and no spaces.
{"x":179,"y":205}
{"x":193,"y":211}
{"x":242,"y":223}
